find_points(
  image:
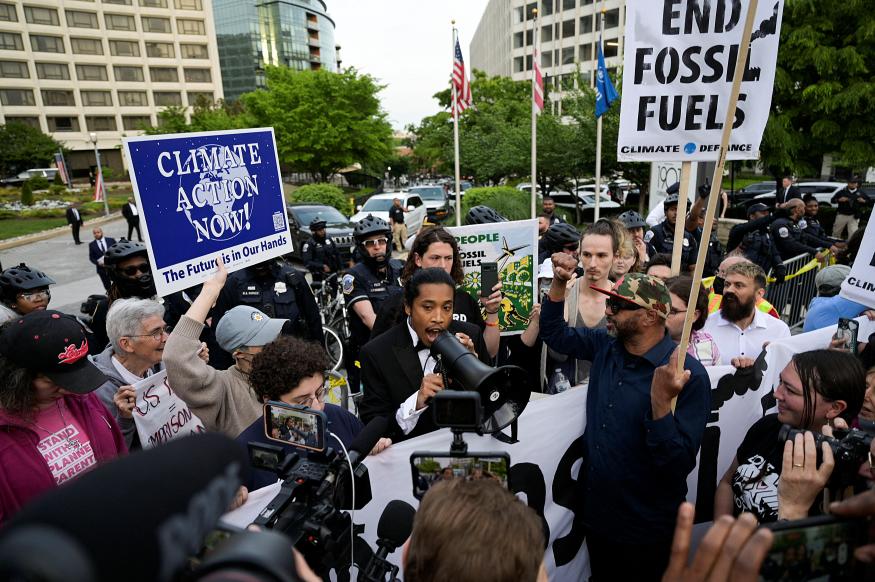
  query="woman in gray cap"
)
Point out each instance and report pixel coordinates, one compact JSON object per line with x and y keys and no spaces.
{"x":222,"y":399}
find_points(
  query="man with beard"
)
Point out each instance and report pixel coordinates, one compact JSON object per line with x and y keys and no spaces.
{"x":366,"y":285}
{"x":637,"y":451}
{"x":739,"y":328}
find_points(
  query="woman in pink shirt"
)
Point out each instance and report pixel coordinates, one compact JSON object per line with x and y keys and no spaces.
{"x":52,"y":427}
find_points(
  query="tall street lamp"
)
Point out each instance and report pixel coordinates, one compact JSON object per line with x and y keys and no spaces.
{"x":100,"y":185}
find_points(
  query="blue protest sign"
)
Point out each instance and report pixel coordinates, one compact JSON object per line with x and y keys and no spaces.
{"x":202,"y":195}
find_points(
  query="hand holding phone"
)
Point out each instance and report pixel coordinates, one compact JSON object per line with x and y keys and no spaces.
{"x":295,"y":425}
{"x":488,"y":278}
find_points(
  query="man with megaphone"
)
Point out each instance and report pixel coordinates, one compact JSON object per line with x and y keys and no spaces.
{"x":398,"y":368}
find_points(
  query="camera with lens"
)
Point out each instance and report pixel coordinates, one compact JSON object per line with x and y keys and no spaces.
{"x":849,"y":447}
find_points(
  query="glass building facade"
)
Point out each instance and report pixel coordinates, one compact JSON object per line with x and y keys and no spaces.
{"x":253,"y":33}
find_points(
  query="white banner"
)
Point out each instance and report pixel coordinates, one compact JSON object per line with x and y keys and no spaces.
{"x":161,"y":415}
{"x":859,"y":286}
{"x":678,"y":66}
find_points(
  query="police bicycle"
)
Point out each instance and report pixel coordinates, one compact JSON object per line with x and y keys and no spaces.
{"x":332,"y":309}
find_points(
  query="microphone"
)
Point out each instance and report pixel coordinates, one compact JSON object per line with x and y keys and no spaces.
{"x":359,"y":449}
{"x":139,"y":517}
{"x":393,"y":529}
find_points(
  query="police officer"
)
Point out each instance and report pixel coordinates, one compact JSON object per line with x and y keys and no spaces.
{"x":279,"y":291}
{"x":661,"y":238}
{"x":366,"y":285}
{"x":319,"y":253}
{"x":694,"y":224}
{"x":812,"y":226}
{"x":790,"y":239}
{"x":754,"y":240}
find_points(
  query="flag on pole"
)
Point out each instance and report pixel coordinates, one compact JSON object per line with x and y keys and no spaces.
{"x":537,"y":83}
{"x":605,"y":94}
{"x":62,"y":167}
{"x":460,"y":82}
{"x":98,"y":187}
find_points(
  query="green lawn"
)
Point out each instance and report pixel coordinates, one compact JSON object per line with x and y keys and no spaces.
{"x":22,"y":226}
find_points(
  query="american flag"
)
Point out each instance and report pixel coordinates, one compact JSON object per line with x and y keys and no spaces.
{"x":98,"y":187}
{"x":537,"y":83}
{"x":460,"y":82}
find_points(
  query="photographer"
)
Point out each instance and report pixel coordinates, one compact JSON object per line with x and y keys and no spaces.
{"x":815,"y":388}
{"x":404,"y":396}
{"x":291,"y":370}
{"x":462,"y":532}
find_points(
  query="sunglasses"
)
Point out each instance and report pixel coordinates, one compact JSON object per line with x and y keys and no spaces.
{"x":132,"y":270}
{"x":618,"y":305}
{"x":376,"y":242}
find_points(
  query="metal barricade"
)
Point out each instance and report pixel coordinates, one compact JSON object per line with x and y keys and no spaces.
{"x":791,"y":298}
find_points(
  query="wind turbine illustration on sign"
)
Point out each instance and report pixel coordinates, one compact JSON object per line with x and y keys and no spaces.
{"x":507,"y":253}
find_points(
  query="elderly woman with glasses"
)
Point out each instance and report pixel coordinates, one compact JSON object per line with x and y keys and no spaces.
{"x":292,"y":370}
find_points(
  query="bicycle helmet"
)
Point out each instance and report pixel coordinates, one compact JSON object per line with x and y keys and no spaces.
{"x":14,"y":280}
{"x":318,"y":224}
{"x":483,"y":215}
{"x":369,"y":226}
{"x":561,"y":235}
{"x":122,"y":250}
{"x":631,"y":219}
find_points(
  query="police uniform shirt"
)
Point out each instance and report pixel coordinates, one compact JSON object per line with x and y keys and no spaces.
{"x":317,"y":253}
{"x":361,"y":283}
{"x":661,"y":240}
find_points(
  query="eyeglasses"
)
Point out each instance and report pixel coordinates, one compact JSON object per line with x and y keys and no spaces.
{"x":157,"y":334}
{"x":618,"y":305}
{"x":376,"y":242}
{"x":319,"y":396}
{"x":35,"y":295}
{"x":132,"y":270}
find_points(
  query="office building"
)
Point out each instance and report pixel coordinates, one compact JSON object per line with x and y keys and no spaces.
{"x":251,"y":34}
{"x":102,"y":69}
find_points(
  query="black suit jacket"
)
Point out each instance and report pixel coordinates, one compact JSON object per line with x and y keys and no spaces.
{"x":391,"y":372}
{"x":94,"y":252}
{"x":791,"y":192}
{"x":71,"y":218}
{"x":129,"y":214}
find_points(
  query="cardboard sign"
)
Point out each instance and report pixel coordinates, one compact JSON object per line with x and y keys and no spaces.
{"x":160,"y":415}
{"x":514,"y":246}
{"x":205,"y":195}
{"x":678,"y":66}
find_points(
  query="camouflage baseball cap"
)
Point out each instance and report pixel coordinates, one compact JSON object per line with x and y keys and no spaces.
{"x":640,"y":289}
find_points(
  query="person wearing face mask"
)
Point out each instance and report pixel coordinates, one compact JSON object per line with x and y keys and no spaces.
{"x":715,"y":291}
{"x":815,"y":389}
{"x":739,"y":328}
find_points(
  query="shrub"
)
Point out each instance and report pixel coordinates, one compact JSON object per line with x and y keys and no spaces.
{"x":58,"y":181}
{"x":108,"y":173}
{"x":56,"y":190}
{"x":27,"y":193}
{"x":39,"y":183}
{"x":327,"y":194}
{"x":509,"y":202}
{"x":44,"y":213}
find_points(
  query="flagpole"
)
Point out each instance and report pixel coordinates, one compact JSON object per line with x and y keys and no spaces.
{"x":534,"y":111}
{"x":455,"y":106}
{"x":598,"y":133}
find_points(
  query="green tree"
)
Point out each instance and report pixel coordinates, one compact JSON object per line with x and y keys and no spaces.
{"x":205,"y":116}
{"x":328,"y":194}
{"x":824,"y":95}
{"x":23,"y":147}
{"x":324,"y":121}
{"x":27,"y":194}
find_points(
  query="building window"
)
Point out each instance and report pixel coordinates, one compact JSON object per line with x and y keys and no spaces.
{"x":188,"y":4}
{"x":62,"y":124}
{"x":517,"y":64}
{"x":133,"y":99}
{"x":200,"y":98}
{"x":16,"y":97}
{"x":24,"y":120}
{"x":128,"y":74}
{"x":8,"y":13}
{"x":568,"y":29}
{"x":547,"y":59}
{"x":100,"y":122}
{"x":124,"y":48}
{"x":14,"y":70}
{"x":546,"y":7}
{"x":86,"y":46}
{"x":119,"y":22}
{"x":198,"y":75}
{"x":586,"y":52}
{"x":77,"y":19}
{"x":568,"y":4}
{"x":46,"y":44}
{"x":55,"y":71}
{"x":585,"y":24}
{"x":136,"y":122}
{"x":57,"y":98}
{"x":96,"y":98}
{"x":167,"y":98}
{"x":38,"y":15}
{"x":189,"y":26}
{"x":611,"y":48}
{"x":568,"y":55}
{"x":91,"y":73}
{"x":155,"y":24}
{"x":119,"y":2}
{"x":612,"y":18}
{"x":153,"y":3}
{"x":160,"y":50}
{"x":164,"y":74}
{"x":194,"y":51}
{"x":11,"y":41}
{"x":546,"y":33}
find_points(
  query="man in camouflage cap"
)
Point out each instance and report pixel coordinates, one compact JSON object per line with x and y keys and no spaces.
{"x":637,"y":452}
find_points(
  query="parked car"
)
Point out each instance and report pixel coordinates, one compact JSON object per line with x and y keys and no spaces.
{"x":379,"y":205}
{"x":47,"y":173}
{"x":751,"y":191}
{"x":822,"y":191}
{"x":437,"y":204}
{"x":338,"y":227}
{"x":586,"y":194}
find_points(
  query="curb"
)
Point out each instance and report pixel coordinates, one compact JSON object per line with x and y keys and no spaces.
{"x":53,"y":232}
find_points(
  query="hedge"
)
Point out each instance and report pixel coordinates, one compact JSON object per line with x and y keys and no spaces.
{"x":509,"y":202}
{"x":327,"y":194}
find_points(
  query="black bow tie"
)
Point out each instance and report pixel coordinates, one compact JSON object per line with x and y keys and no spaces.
{"x":420,"y":346}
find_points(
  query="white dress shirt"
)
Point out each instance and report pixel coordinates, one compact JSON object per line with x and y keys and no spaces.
{"x":407,"y":416}
{"x":732,"y":341}
{"x":134,"y":210}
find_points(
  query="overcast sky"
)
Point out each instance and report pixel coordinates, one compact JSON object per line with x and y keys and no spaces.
{"x":407,"y":46}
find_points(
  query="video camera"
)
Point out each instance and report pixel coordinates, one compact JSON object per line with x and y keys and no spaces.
{"x":849,"y":447}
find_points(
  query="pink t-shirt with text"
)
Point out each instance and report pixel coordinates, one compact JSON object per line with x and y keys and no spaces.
{"x":64,"y":445}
